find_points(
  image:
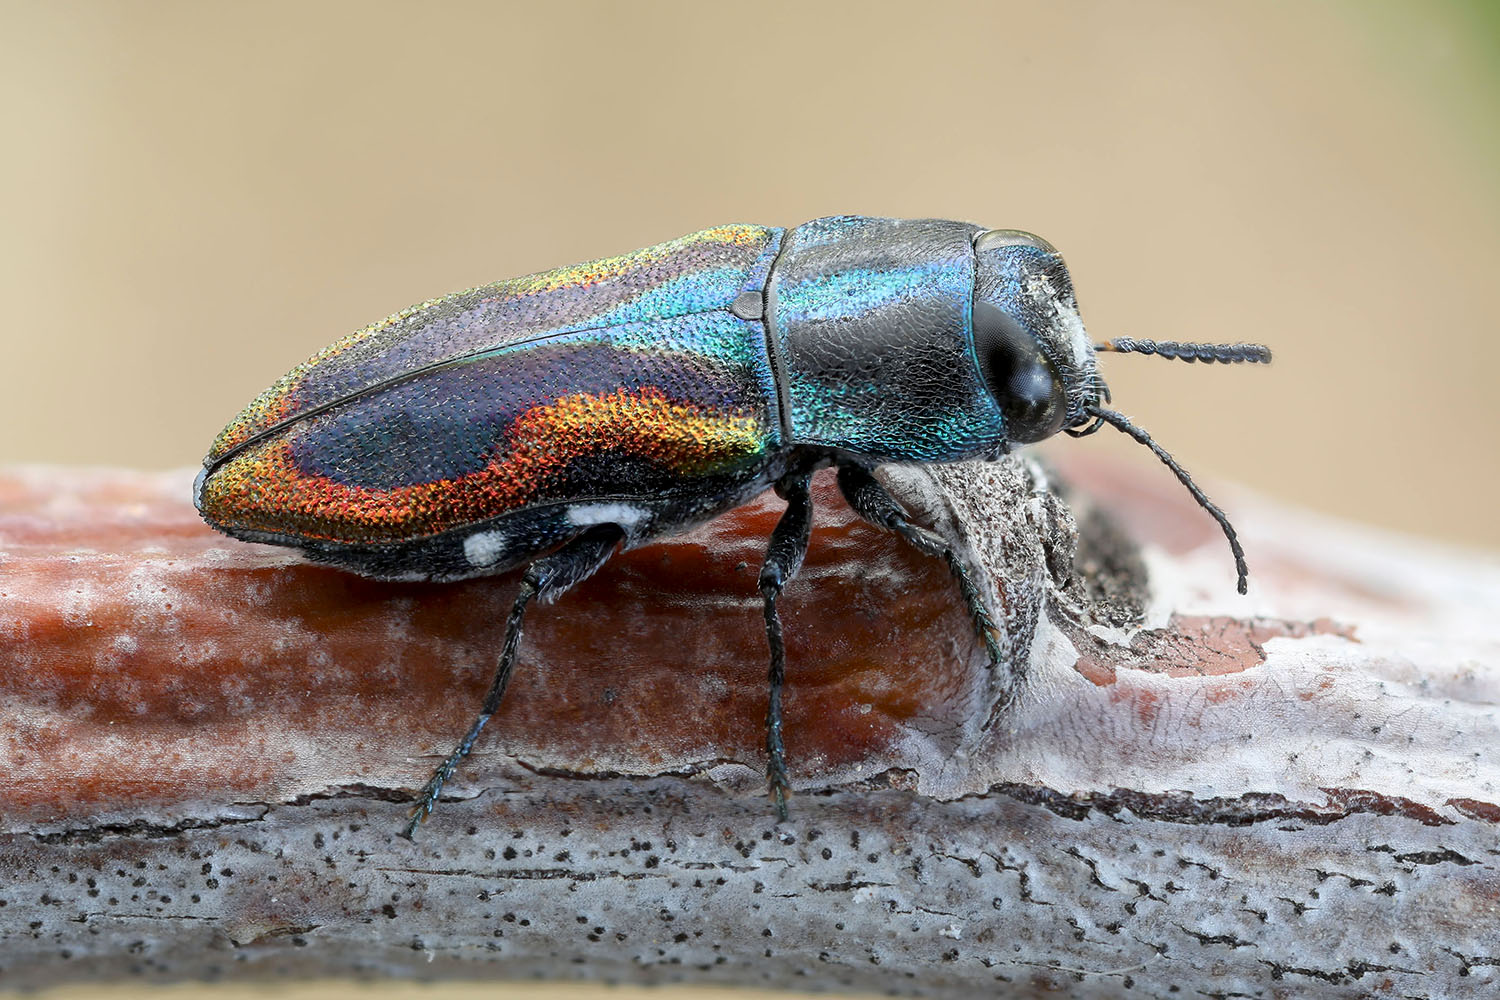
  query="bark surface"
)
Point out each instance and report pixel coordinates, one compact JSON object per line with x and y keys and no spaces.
{"x":208,"y":749}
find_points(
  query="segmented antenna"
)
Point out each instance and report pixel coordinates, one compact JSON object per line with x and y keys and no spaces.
{"x":1122,"y":423}
{"x":1224,"y":354}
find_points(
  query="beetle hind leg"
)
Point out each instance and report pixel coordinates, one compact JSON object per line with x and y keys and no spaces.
{"x":874,"y":503}
{"x":784,"y":556}
{"x":545,"y":578}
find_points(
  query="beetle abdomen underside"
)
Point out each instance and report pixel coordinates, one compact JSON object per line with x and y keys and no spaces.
{"x":622,"y":378}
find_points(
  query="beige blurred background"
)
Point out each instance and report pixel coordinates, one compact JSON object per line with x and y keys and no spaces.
{"x":196,"y":196}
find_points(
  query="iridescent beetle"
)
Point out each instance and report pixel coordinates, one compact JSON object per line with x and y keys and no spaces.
{"x":546,"y":421}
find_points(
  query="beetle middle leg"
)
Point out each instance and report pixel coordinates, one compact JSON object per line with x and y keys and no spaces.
{"x":875,"y":504}
{"x":784,"y":555}
{"x":544,"y":579}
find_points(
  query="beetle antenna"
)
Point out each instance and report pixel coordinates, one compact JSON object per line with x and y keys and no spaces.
{"x":1122,"y":423}
{"x":1224,"y":354}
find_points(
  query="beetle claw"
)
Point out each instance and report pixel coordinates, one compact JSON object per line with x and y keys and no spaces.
{"x":426,"y":801}
{"x":779,"y":792}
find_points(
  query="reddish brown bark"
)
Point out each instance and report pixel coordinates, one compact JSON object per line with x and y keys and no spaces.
{"x":162,"y":662}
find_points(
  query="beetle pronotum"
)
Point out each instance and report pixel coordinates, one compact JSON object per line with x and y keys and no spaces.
{"x":546,"y":421}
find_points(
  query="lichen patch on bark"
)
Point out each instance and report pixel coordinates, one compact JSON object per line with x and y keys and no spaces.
{"x":1195,"y":646}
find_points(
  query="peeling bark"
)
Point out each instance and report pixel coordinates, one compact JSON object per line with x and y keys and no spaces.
{"x":208,"y":749}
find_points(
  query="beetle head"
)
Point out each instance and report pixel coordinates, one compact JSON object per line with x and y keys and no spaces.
{"x":1039,"y":365}
{"x":1029,"y":340}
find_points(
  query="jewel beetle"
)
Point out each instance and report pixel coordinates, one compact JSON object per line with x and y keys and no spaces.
{"x":545,"y":422}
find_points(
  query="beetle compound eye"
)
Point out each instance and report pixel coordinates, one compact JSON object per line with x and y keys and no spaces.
{"x":1030,"y":394}
{"x":1035,"y":407}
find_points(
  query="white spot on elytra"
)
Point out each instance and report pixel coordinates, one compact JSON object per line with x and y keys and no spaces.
{"x":483,"y":548}
{"x":622,"y":514}
{"x":413,"y":575}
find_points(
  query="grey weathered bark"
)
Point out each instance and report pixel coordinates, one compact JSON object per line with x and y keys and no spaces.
{"x":207,"y":749}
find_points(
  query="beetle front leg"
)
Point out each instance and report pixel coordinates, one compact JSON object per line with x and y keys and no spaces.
{"x":784,"y":556}
{"x":874,"y":503}
{"x":544,"y":579}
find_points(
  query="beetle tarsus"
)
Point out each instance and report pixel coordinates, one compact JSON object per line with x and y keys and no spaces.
{"x":784,"y":556}
{"x":427,"y":798}
{"x":545,"y":578}
{"x":874,"y":503}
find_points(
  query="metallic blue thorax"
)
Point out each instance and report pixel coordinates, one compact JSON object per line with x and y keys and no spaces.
{"x":870,"y":320}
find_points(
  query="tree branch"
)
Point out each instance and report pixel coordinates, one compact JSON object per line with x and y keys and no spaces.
{"x":208,"y":749}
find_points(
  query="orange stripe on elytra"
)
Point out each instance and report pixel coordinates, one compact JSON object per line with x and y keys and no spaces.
{"x":263,"y":490}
